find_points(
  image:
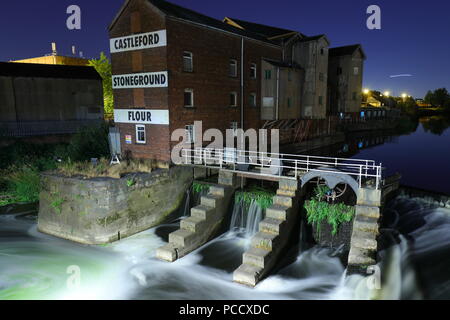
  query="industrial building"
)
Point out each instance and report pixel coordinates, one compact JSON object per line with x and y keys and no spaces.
{"x":39,"y":99}
{"x":183,"y":67}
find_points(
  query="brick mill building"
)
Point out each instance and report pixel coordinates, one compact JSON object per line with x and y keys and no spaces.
{"x":173,"y":66}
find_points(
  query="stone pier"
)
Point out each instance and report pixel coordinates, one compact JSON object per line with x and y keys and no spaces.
{"x":204,"y":223}
{"x":273,"y":235}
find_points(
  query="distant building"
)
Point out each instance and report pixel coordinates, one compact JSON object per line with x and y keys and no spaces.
{"x":38,"y":99}
{"x":422,"y":104}
{"x":54,"y":58}
{"x":345,"y":74}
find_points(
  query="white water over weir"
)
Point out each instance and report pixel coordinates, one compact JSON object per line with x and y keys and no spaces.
{"x":246,"y":218}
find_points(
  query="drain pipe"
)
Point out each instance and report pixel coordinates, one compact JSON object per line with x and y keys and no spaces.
{"x":242,"y":84}
{"x":278,"y":94}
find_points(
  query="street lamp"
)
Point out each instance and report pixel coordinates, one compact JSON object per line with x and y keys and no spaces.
{"x":366,"y":91}
{"x":404,"y":95}
{"x":387,"y":93}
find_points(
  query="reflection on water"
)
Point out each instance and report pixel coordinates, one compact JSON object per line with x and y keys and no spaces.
{"x":418,"y":150}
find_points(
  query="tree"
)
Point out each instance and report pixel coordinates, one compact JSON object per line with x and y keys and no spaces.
{"x":439,"y":97}
{"x":103,"y":67}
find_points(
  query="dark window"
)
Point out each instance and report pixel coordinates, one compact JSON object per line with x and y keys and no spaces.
{"x":140,"y":134}
{"x":268,"y":74}
{"x":339,"y":70}
{"x":188,"y":62}
{"x":188,"y":98}
{"x":253,"y":99}
{"x":233,"y":99}
{"x":253,"y":71}
{"x":233,"y":68}
{"x":320,"y":100}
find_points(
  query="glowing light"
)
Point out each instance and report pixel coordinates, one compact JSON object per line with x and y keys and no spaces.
{"x":366,"y":91}
{"x":404,"y":95}
{"x":387,"y":93}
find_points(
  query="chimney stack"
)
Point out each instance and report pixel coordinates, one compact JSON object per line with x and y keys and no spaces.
{"x":54,"y":52}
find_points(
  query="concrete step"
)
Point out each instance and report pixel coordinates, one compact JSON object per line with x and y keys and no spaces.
{"x":167,"y":253}
{"x":277,"y":211}
{"x":181,"y":238}
{"x":364,"y":234}
{"x":288,"y":184}
{"x":202,"y":211}
{"x":266,"y":241}
{"x":371,"y":212}
{"x":210,"y":200}
{"x":193,"y":224}
{"x":256,"y":257}
{"x":247,"y":274}
{"x":364,"y":243}
{"x":360,"y":257}
{"x":286,"y":193}
{"x":283,"y":201}
{"x":365,"y":219}
{"x":271,"y":225}
{"x":217,"y":190}
{"x":365,"y":227}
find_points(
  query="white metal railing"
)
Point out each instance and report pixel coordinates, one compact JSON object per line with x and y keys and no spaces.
{"x":282,"y":165}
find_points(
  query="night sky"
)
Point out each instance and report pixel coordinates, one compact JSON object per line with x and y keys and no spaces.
{"x":414,"y":39}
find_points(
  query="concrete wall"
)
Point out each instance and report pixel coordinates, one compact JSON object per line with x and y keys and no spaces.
{"x":50,"y":99}
{"x":102,"y":210}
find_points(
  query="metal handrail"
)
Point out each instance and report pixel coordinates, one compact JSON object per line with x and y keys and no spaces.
{"x":208,"y":156}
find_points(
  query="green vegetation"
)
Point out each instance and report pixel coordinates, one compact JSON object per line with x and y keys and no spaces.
{"x":57,"y":204}
{"x":198,"y":187}
{"x":89,"y":142}
{"x":439,"y":98}
{"x":103,"y":67}
{"x":263,"y":197}
{"x":319,"y":211}
{"x":131,"y":182}
{"x":21,"y":163}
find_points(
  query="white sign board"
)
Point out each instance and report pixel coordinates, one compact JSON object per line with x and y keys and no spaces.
{"x":141,"y":80}
{"x":139,"y":41}
{"x":140,"y":116}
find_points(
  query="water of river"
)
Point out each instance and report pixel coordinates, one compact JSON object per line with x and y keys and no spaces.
{"x":414,"y":264}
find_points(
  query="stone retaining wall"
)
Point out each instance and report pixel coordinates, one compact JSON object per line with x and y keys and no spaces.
{"x":103,"y":210}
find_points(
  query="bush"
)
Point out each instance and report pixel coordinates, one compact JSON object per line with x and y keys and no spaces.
{"x":24,"y":185}
{"x":90,"y":142}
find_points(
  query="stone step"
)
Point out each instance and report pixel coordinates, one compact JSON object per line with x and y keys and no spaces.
{"x":217,"y":190}
{"x":364,"y":234}
{"x":256,"y":257}
{"x":181,"y":238}
{"x":371,"y":212}
{"x":266,"y":241}
{"x":365,"y":219}
{"x":202,"y":211}
{"x":210,"y":200}
{"x":288,"y":184}
{"x":277,"y":211}
{"x":167,"y":253}
{"x":360,"y":257}
{"x":271,"y":225}
{"x":283,"y":201}
{"x":364,"y":243}
{"x":247,"y":274}
{"x":286,"y":193}
{"x":365,"y":227}
{"x":193,"y":224}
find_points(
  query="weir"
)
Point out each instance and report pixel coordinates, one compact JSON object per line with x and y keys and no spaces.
{"x":272,"y":230}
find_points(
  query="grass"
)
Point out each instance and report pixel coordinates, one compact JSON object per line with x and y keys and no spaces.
{"x":263,"y":197}
{"x":198,"y":187}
